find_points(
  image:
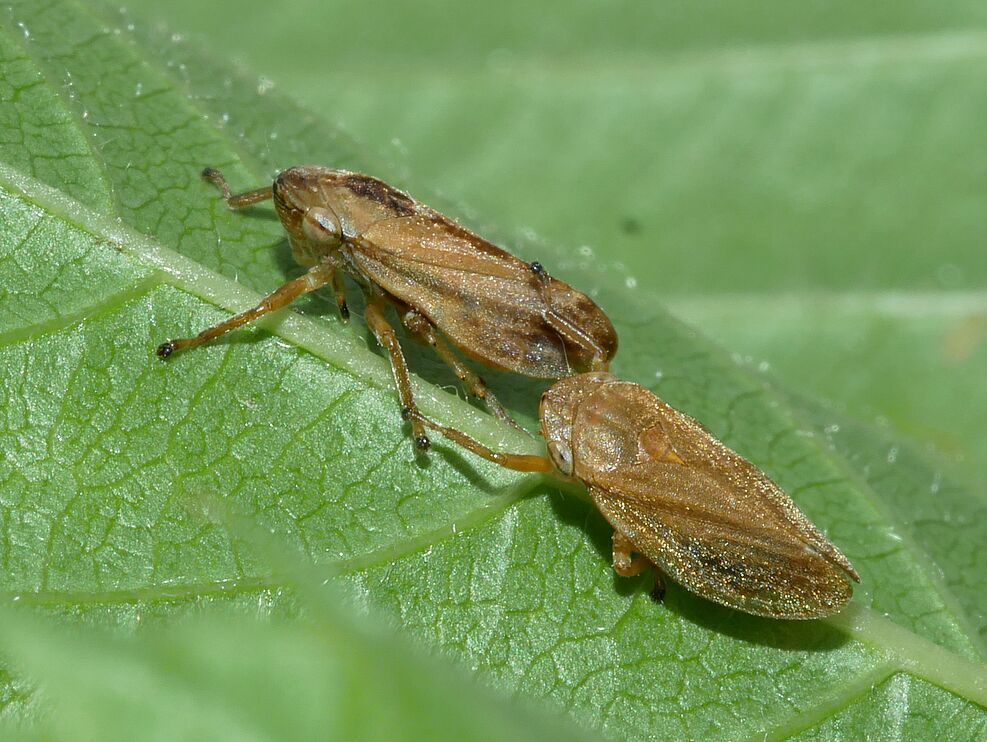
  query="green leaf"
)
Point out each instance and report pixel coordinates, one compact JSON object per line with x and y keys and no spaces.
{"x":111,"y":459}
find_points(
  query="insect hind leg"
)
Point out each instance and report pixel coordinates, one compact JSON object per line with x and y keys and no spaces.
{"x":388,"y":339}
{"x":419,"y":326}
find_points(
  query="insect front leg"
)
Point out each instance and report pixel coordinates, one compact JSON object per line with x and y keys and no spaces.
{"x":627,"y":566}
{"x":623,"y":564}
{"x":419,"y":326}
{"x":314,"y":279}
{"x":562,"y":326}
{"x":516,"y":461}
{"x":236,"y":200}
{"x":339,"y":289}
{"x":386,"y":336}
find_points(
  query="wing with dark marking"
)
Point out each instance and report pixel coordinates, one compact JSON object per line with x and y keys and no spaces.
{"x":703,"y":514}
{"x":485,"y":300}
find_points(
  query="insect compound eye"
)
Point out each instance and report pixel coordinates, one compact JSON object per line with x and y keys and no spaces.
{"x":561,"y":456}
{"x":321,"y":225}
{"x":327,"y":221}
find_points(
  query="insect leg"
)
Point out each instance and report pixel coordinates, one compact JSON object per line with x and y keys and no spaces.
{"x":623,"y":564}
{"x":389,"y":340}
{"x":315,"y":278}
{"x":658,"y":589}
{"x":339,"y":289}
{"x":428,"y":333}
{"x":563,"y":327}
{"x":236,"y":200}
{"x":517,"y":461}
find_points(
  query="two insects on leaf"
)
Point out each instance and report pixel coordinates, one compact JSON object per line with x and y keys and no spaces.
{"x":677,"y":498}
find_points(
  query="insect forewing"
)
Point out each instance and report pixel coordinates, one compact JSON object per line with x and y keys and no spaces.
{"x":703,"y":514}
{"x":485,"y":300}
{"x":490,"y":304}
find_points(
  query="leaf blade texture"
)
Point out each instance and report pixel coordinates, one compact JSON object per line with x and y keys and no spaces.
{"x":111,"y":459}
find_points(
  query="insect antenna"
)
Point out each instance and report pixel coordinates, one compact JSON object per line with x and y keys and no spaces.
{"x":239,"y":200}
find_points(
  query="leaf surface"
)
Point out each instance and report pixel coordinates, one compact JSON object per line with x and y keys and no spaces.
{"x":111,"y":460}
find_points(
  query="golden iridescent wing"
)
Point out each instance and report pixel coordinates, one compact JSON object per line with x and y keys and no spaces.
{"x":704,"y":515}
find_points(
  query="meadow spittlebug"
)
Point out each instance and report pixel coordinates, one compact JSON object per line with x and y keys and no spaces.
{"x":445,"y":283}
{"x":681,"y":501}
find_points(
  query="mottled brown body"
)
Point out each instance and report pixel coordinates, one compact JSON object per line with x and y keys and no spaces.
{"x":683,"y":501}
{"x":444,"y":281}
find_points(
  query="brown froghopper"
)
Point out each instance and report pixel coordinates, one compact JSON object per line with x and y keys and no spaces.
{"x":447,"y":284}
{"x":682,"y":501}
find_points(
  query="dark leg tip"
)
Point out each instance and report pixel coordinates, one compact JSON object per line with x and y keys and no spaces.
{"x":344,"y":312}
{"x":658,"y":592}
{"x":209,"y":173}
{"x":422,"y":443}
{"x":165,"y":349}
{"x":537,"y":268}
{"x":405,"y":413}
